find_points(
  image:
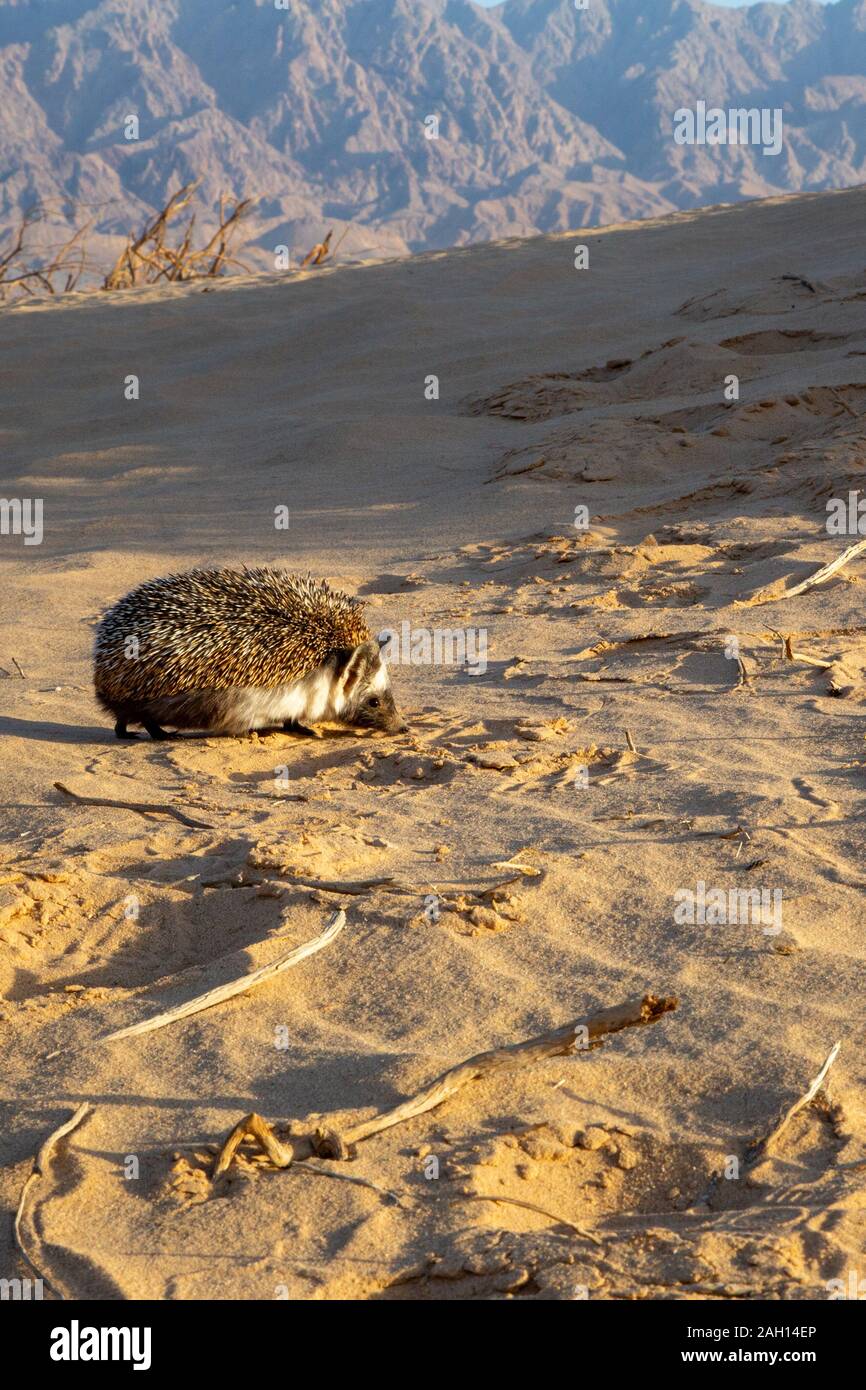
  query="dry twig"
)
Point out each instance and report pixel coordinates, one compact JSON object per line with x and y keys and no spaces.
{"x":384,"y":1192}
{"x":351,"y":887}
{"x":819,"y":577}
{"x":147,"y":259}
{"x":321,"y":251}
{"x":562,"y":1041}
{"x":761,"y":1147}
{"x":17,"y":271}
{"x":531,"y":1206}
{"x":143,"y":807}
{"x":791,"y":655}
{"x":233,"y":987}
{"x":40,"y":1169}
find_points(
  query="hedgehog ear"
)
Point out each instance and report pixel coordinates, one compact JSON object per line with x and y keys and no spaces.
{"x":351,"y":663}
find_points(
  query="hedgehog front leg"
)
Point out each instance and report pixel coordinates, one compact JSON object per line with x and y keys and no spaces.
{"x":294,"y":726}
{"x":121,"y":731}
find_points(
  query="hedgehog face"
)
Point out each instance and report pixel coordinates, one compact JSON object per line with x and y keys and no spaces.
{"x":365,"y":697}
{"x":376,"y":710}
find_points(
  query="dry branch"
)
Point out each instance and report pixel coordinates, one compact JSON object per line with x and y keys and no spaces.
{"x":18,"y":272}
{"x":320,"y":252}
{"x":384,"y":1192}
{"x":143,"y":807}
{"x":812,"y":661}
{"x":791,"y":655}
{"x":761,"y":1148}
{"x":562,"y":1041}
{"x":351,"y":887}
{"x":249,"y":878}
{"x":147,"y":259}
{"x":217,"y":247}
{"x":820,"y":575}
{"x":40,"y":1169}
{"x":125,"y":270}
{"x":233,"y":987}
{"x":525,"y":870}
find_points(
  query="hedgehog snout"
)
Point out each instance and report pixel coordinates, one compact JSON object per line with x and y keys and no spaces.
{"x":376,"y":709}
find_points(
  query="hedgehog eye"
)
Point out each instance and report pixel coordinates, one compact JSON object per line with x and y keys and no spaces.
{"x":373,"y":702}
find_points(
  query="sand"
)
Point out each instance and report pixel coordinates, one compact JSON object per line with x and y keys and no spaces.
{"x":558,"y":389}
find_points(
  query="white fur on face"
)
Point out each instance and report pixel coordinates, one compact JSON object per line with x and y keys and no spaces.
{"x":315,"y":696}
{"x":318,"y":695}
{"x":378,"y":681}
{"x":381,"y":680}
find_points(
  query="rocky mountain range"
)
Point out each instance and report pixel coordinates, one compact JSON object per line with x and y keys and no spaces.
{"x":423,"y":123}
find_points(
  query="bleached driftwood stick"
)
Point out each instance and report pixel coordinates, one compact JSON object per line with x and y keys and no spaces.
{"x":791,"y":655}
{"x":761,"y":1148}
{"x":233,"y":987}
{"x":527,"y":870}
{"x":811,"y":661}
{"x":562,"y":1041}
{"x":40,"y":1169}
{"x":817,"y":578}
{"x":143,"y":807}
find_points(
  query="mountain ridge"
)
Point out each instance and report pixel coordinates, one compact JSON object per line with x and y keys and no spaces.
{"x":549,"y":117}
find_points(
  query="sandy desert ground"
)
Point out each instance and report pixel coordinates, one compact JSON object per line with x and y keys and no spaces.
{"x":614,"y":749}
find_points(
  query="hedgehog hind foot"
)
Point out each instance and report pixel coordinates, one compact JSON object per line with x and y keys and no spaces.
{"x":158,"y":734}
{"x":121,"y":731}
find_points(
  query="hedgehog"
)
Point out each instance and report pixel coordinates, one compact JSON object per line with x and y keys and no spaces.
{"x":231,"y":651}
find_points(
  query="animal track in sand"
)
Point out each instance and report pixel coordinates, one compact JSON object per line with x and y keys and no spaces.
{"x":657,"y":594}
{"x":551,"y":770}
{"x":45,"y":912}
{"x":392,"y":584}
{"x":649,"y":451}
{"x":304,"y":760}
{"x":410,"y":769}
{"x":693,"y":366}
{"x":771,"y":341}
{"x":111,"y":926}
{"x":782,"y":294}
{"x":668,"y":571}
{"x":502,"y":573}
{"x":579,"y":1175}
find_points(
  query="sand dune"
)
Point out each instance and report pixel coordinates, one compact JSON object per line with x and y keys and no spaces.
{"x":611,"y":743}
